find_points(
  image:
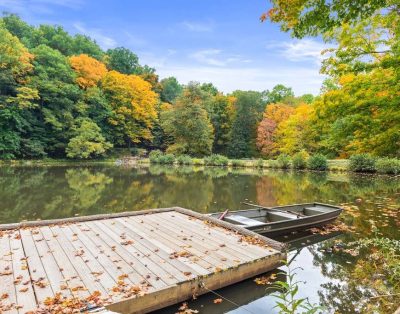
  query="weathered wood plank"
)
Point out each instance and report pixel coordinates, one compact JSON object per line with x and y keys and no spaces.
{"x":97,"y":270}
{"x":185,"y":241}
{"x":80,"y":266}
{"x":146,"y":256}
{"x":223,"y":249}
{"x":173,"y":266}
{"x":8,"y":299}
{"x":109,"y":257}
{"x":41,"y":283}
{"x":72,"y":280}
{"x":163,"y":243}
{"x":22,"y":279}
{"x":53,"y":269}
{"x":213,"y":232}
{"x":131,"y":257}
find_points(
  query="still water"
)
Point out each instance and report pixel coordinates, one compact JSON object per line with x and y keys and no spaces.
{"x":327,"y":278}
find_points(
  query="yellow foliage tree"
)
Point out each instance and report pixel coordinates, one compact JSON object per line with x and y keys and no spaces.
{"x":292,"y":134}
{"x":134,"y":106}
{"x":89,"y":70}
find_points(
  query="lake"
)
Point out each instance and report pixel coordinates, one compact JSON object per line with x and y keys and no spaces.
{"x":329,"y":277}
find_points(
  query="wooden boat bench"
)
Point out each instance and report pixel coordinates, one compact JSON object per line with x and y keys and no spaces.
{"x":248,"y":222}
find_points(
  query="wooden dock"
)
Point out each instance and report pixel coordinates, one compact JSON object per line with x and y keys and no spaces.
{"x":133,"y":262}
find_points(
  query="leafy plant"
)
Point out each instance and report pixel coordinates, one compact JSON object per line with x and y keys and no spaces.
{"x":166,"y":159}
{"x":260,"y":163}
{"x":216,"y":160}
{"x":299,"y":160}
{"x":237,"y":163}
{"x":284,"y":161}
{"x":317,"y":162}
{"x":388,"y":166}
{"x":288,"y":302}
{"x":184,"y":160}
{"x":362,"y":163}
{"x":155,"y":155}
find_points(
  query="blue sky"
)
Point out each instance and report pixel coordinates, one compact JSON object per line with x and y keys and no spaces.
{"x":218,"y":41}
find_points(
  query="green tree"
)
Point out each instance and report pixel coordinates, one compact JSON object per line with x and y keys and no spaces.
{"x":247,"y":115}
{"x":123,"y":60}
{"x":87,"y":141}
{"x":188,"y":123}
{"x":59,"y":98}
{"x":171,"y":89}
{"x":221,"y":111}
{"x":278,"y":94}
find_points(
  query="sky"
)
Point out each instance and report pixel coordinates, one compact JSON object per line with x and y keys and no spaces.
{"x":218,"y":41}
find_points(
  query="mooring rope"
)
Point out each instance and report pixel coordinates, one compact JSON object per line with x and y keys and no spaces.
{"x":222,"y":297}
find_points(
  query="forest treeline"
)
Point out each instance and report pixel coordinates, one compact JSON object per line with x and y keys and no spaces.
{"x":61,"y":95}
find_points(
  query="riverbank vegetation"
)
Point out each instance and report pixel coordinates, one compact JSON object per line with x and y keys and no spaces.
{"x":62,"y":96}
{"x":362,"y":163}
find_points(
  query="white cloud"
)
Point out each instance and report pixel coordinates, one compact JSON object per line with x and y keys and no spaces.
{"x":299,"y":50}
{"x":301,"y":79}
{"x":215,"y":57}
{"x":198,"y":26}
{"x":104,"y":41}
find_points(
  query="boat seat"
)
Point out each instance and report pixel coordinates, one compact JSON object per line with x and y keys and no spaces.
{"x":248,"y":222}
{"x":315,"y":210}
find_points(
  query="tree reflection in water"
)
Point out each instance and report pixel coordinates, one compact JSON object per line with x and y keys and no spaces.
{"x":334,"y":279}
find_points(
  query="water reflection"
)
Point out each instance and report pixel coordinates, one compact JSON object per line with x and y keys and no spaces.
{"x":333,"y":279}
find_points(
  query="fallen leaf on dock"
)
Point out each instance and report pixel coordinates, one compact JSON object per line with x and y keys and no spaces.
{"x":217,"y":301}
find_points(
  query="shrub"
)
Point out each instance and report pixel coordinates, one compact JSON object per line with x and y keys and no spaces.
{"x":388,"y":166}
{"x":317,"y":162}
{"x":166,"y":159}
{"x":260,"y":163}
{"x":155,"y":155}
{"x":216,"y":160}
{"x":362,"y":163}
{"x":299,"y":160}
{"x":198,"y":161}
{"x":283,"y":161}
{"x":237,"y":163}
{"x":184,"y":160}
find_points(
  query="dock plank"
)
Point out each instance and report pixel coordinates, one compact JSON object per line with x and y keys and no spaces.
{"x":175,"y":267}
{"x":224,"y":254}
{"x":71,"y":280}
{"x":8,"y":299}
{"x":154,"y":264}
{"x":40,"y":281}
{"x":184,"y":241}
{"x":22,"y":279}
{"x":130,"y":257}
{"x":162,"y":241}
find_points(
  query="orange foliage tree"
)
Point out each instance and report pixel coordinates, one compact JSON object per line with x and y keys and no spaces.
{"x":266,"y":132}
{"x":134,"y":106}
{"x":89,"y":70}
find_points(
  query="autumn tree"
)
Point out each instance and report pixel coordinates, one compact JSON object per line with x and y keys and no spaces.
{"x":87,"y":141}
{"x":133,"y":104}
{"x":266,"y":131}
{"x":293,"y":134}
{"x":17,"y":97}
{"x":188,"y":123}
{"x":221,"y":113}
{"x":89,"y":71}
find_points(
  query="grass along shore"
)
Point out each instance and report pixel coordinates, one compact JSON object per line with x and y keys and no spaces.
{"x":362,"y":163}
